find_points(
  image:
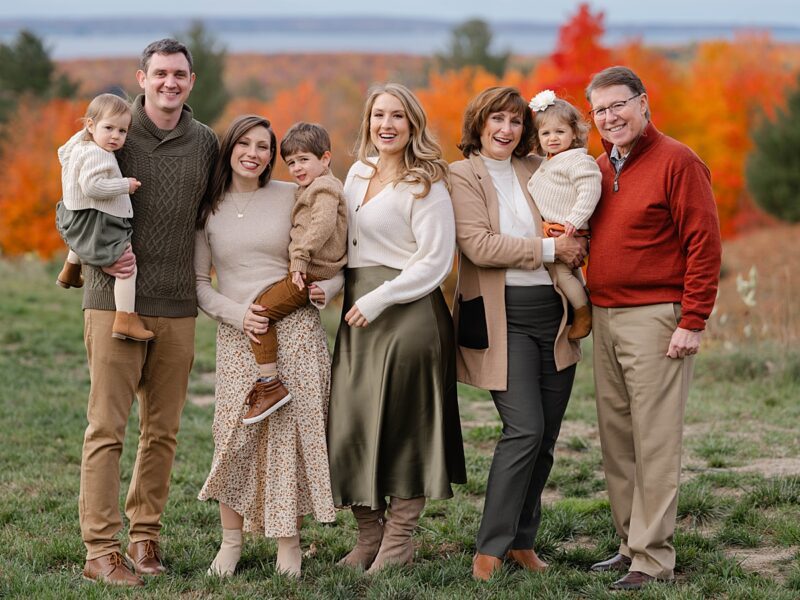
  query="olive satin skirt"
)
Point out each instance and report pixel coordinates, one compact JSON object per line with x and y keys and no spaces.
{"x":393,"y":424}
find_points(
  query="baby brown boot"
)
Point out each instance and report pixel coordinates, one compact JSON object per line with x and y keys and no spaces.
{"x":581,"y":323}
{"x":70,"y":276}
{"x":128,"y":326}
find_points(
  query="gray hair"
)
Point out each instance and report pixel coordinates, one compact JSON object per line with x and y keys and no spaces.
{"x":617,"y":76}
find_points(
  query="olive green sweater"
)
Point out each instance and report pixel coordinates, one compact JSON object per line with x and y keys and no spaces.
{"x":174,"y":168}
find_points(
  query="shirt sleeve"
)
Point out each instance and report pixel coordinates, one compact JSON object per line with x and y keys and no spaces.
{"x":98,"y":179}
{"x":585,"y":176}
{"x":210,"y":301}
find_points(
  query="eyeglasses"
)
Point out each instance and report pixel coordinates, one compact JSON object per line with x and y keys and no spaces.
{"x":614,"y":109}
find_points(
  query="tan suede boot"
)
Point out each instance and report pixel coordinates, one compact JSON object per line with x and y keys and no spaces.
{"x":230,"y":551}
{"x":581,"y":323}
{"x":70,"y":276}
{"x":397,"y":547}
{"x":370,"y":534}
{"x":128,"y":326}
{"x":290,"y":558}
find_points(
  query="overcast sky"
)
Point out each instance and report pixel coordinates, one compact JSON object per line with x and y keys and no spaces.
{"x":772,"y":12}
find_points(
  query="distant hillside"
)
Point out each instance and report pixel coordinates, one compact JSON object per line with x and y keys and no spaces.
{"x":125,"y":36}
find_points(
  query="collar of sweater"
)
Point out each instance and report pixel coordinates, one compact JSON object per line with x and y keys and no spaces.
{"x":650,"y":136}
{"x":161,"y":134}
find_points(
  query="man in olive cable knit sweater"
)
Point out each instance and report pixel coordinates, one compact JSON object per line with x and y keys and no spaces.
{"x":172,"y":155}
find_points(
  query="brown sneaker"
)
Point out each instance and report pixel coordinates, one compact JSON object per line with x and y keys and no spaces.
{"x":110,"y":568}
{"x":70,"y":276}
{"x":129,"y":326}
{"x":265,"y":398}
{"x":146,"y":557}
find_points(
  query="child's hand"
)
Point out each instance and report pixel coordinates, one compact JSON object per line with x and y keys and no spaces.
{"x":135,"y":184}
{"x":298,"y":279}
{"x":569,"y":229}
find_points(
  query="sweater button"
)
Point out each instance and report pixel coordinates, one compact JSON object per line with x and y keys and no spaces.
{"x":355,"y":242}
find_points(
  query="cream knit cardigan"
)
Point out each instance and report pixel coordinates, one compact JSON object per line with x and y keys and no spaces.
{"x":414,"y":235}
{"x":567,"y":187}
{"x":90,"y":178}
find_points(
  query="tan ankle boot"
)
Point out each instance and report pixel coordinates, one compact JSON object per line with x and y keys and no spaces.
{"x":581,"y":323}
{"x":70,"y":276}
{"x":370,"y":534}
{"x":230,"y":551}
{"x":290,"y":558}
{"x":128,"y":326}
{"x":397,"y":547}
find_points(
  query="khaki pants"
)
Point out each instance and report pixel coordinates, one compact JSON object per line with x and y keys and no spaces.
{"x":158,"y":372}
{"x":281,"y":300}
{"x":641,"y":398}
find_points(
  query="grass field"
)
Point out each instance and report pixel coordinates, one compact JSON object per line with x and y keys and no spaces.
{"x":739,"y":515}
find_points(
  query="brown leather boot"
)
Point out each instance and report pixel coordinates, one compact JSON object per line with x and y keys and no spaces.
{"x":70,"y":276}
{"x":111,"y":569}
{"x":581,"y":323}
{"x":128,"y":326}
{"x":527,"y":559}
{"x":397,"y":548}
{"x":264,"y":398}
{"x":370,"y":534}
{"x":484,"y":566}
{"x":146,"y":557}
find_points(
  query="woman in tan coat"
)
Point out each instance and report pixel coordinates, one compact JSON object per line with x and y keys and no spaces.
{"x":511,"y":319}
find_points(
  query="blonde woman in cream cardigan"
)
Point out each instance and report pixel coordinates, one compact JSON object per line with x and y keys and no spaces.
{"x":267,"y":476}
{"x":393,"y":429}
{"x":511,"y":319}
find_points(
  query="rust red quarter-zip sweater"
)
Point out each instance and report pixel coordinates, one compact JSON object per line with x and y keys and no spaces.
{"x":656,"y":238}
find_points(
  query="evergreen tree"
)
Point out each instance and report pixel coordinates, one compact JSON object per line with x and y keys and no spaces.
{"x":470,"y":46}
{"x":773,"y":167}
{"x":209,"y":96}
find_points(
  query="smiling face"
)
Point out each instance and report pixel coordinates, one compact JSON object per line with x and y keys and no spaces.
{"x":624,"y":127}
{"x":500,"y":135}
{"x":389,"y":128}
{"x":249,"y":157}
{"x":166,"y":83}
{"x":109,"y":132}
{"x":555,"y":135}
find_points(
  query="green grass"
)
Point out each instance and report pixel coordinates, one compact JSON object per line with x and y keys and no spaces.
{"x":743,"y":409}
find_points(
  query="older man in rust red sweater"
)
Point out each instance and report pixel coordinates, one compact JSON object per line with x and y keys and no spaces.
{"x":653,"y":274}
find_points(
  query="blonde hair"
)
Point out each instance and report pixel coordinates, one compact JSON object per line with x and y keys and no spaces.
{"x":567,"y":113}
{"x":104,"y":105}
{"x":422,"y":156}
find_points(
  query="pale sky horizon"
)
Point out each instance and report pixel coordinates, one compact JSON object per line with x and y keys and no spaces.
{"x":764,"y":12}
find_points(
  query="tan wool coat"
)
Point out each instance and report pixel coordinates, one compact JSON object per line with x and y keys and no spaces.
{"x":484,"y":254}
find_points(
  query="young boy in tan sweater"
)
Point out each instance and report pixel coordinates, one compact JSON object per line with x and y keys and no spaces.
{"x":317,"y":251}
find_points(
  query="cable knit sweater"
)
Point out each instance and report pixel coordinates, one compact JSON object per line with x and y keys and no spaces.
{"x":174,"y":167}
{"x":319,"y":228}
{"x":90,"y":178}
{"x":567,"y":187}
{"x":416,"y":236}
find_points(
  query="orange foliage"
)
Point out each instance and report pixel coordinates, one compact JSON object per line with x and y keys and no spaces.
{"x":31,"y":175}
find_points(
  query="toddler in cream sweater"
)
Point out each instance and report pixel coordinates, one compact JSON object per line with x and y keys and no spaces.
{"x":317,"y":251}
{"x":566,"y":190}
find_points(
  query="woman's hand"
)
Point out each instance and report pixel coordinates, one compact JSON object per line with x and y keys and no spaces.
{"x":255,"y":324}
{"x":570,"y":251}
{"x":315,"y":294}
{"x":354,"y":317}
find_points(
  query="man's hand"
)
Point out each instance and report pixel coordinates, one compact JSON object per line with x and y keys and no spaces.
{"x":124,"y":267}
{"x":354,"y":317}
{"x":571,"y":251}
{"x":684,"y":343}
{"x":298,"y":279}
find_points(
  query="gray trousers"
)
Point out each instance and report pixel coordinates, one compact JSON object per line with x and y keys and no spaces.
{"x":531,"y":410}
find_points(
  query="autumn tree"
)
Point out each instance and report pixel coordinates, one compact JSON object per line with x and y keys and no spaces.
{"x":470,"y":46}
{"x":773,"y":167}
{"x":209,"y":95}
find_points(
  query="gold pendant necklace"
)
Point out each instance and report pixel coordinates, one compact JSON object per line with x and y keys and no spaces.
{"x":240,"y":211}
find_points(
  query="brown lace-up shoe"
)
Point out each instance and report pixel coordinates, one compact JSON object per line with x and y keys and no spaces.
{"x":527,"y":559}
{"x":618,"y":562}
{"x":111,"y":569}
{"x":146,"y":557}
{"x":633,"y":580}
{"x":264,"y":398}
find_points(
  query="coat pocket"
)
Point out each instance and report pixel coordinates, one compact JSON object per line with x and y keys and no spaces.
{"x":472,"y":324}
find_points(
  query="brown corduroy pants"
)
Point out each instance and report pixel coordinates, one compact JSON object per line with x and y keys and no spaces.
{"x":281,"y":299}
{"x":641,"y":399}
{"x":158,"y":372}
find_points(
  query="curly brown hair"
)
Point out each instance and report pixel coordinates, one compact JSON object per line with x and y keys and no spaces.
{"x":492,"y":100}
